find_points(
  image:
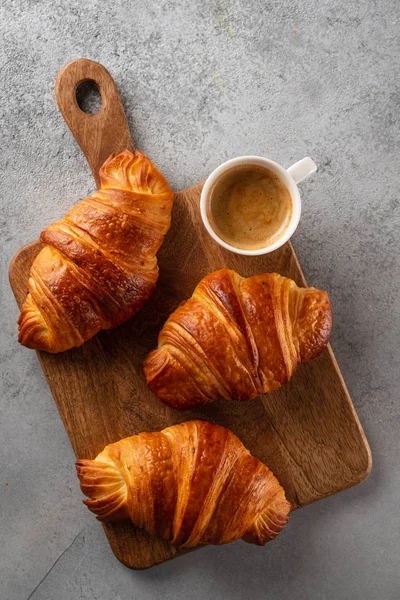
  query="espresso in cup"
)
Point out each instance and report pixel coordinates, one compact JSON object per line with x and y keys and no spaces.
{"x":249,"y":207}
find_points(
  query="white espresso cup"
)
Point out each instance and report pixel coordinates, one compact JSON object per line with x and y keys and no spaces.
{"x":290,"y":177}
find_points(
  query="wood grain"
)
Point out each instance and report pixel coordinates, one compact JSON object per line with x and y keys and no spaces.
{"x":307,"y":432}
{"x":99,"y":134}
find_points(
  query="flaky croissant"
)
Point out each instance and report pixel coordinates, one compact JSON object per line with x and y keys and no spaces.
{"x":99,"y":264}
{"x":193,"y":483}
{"x":237,"y":338}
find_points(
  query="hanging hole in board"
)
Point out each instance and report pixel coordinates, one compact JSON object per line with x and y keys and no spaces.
{"x":88,"y":97}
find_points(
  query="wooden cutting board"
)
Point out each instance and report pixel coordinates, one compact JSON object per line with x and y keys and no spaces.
{"x":307,"y":432}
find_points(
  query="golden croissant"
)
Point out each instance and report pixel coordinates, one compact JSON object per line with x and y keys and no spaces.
{"x":193,"y":483}
{"x":237,"y":338}
{"x":98,"y":265}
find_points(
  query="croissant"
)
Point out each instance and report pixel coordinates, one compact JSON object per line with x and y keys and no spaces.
{"x":98,"y":265}
{"x":237,"y":338}
{"x":193,"y":483}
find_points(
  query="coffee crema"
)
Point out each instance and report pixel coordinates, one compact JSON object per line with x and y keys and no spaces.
{"x":249,"y":207}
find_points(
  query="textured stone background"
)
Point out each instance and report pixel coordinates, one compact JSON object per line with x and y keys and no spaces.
{"x":201,"y":84}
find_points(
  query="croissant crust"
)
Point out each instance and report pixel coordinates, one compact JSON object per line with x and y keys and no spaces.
{"x":193,"y":483}
{"x":237,"y":338}
{"x":98,"y":265}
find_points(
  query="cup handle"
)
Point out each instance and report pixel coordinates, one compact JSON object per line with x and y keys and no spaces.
{"x":302,"y":169}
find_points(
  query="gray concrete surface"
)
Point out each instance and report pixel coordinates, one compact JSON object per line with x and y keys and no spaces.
{"x":202,"y":82}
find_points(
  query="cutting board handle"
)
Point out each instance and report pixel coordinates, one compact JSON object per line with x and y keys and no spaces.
{"x":99,"y":134}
